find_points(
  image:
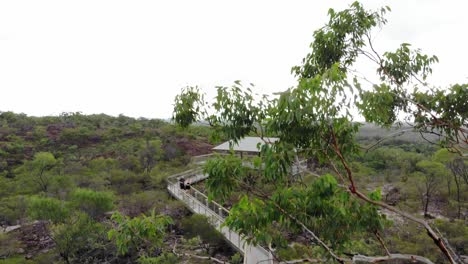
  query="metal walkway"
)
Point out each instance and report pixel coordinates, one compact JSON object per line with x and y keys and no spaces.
{"x":198,"y":203}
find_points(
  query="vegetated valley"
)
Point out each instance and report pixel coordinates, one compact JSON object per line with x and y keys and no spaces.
{"x":91,"y":189}
{"x":315,"y":187}
{"x":62,"y":179}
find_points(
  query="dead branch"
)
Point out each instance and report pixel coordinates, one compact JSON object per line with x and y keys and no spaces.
{"x":382,"y":243}
{"x":195,"y":256}
{"x":202,"y":257}
{"x":306,"y":260}
{"x":260,"y":194}
{"x":404,"y":257}
{"x":438,"y":240}
{"x":392,"y":135}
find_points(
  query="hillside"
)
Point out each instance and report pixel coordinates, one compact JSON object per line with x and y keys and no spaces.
{"x":91,"y":166}
{"x":65,"y":176}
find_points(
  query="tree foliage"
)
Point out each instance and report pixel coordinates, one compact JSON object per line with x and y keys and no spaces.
{"x":165,"y":258}
{"x":434,"y":173}
{"x":69,"y":170}
{"x":76,"y":235}
{"x":314,"y":119}
{"x":198,"y":226}
{"x":322,"y":206}
{"x":48,"y":209}
{"x":93,"y":203}
{"x":143,"y":232}
{"x":459,"y":170}
{"x":39,"y":171}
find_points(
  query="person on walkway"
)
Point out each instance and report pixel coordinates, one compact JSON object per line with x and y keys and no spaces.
{"x":182,"y":183}
{"x":188,"y":185}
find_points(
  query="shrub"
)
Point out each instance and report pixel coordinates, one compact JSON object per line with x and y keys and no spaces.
{"x":77,"y":234}
{"x":12,"y":209}
{"x":295,"y":251}
{"x":138,"y":233}
{"x":8,"y":245}
{"x":60,"y":185}
{"x":236,"y":259}
{"x":198,"y":225}
{"x":142,"y":202}
{"x":457,"y":232}
{"x":125,"y":182}
{"x":16,"y":260}
{"x":48,"y":209}
{"x":92,"y":202}
{"x":165,"y":258}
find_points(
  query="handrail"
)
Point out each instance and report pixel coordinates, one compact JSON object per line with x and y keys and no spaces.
{"x":200,"y":158}
{"x":213,"y":218}
{"x":203,"y":155}
{"x":195,"y":172}
{"x":215,"y":203}
{"x":216,"y":215}
{"x":181,"y":173}
{"x":184,"y":173}
{"x":205,"y":202}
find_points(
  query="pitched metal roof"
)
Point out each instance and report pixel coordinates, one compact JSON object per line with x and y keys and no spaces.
{"x":247,"y":144}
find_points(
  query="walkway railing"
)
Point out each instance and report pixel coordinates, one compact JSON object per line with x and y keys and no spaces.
{"x":193,"y":175}
{"x":199,"y":203}
{"x":200,"y":159}
{"x":296,"y":167}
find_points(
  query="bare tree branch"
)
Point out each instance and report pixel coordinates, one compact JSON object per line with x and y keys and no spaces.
{"x":392,"y":135}
{"x":404,"y":257}
{"x":438,"y":240}
{"x":196,"y":256}
{"x":306,"y":260}
{"x":382,"y":243}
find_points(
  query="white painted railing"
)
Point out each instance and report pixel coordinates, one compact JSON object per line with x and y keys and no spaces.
{"x":201,"y":159}
{"x":296,"y":167}
{"x":199,"y":203}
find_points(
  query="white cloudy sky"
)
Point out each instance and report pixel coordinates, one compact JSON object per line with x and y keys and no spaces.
{"x":132,"y":57}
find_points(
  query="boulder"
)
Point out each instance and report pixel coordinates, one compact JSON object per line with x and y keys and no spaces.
{"x":392,"y":195}
{"x":11,"y":228}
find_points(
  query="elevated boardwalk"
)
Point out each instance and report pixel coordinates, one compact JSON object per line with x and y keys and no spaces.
{"x":198,"y":203}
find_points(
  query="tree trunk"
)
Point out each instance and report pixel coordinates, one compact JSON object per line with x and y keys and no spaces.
{"x":42,"y":181}
{"x":426,"y":205}
{"x":457,"y":184}
{"x":449,"y":182}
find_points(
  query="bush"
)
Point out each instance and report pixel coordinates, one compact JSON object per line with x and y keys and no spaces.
{"x":94,"y":203}
{"x":12,"y":209}
{"x":457,"y":233}
{"x":296,"y":251}
{"x":60,"y":185}
{"x":48,"y":209}
{"x":44,"y":258}
{"x":142,"y":202}
{"x":8,"y":245}
{"x":165,"y":258}
{"x":16,"y":260}
{"x":198,"y":225}
{"x":76,"y":235}
{"x":7,"y":186}
{"x":236,"y":259}
{"x":126,"y":182}
{"x":139,"y":233}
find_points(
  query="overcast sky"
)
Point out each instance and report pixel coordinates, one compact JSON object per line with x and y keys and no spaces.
{"x":133,"y":57}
